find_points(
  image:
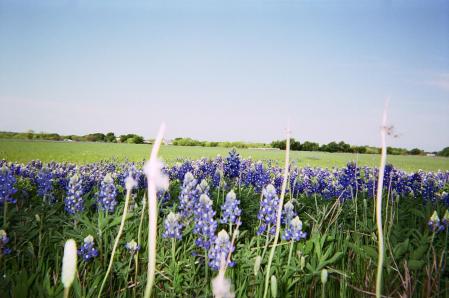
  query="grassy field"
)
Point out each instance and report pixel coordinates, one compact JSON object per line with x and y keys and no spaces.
{"x":24,"y":151}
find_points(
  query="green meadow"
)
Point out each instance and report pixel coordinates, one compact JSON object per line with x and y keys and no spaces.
{"x":80,"y":152}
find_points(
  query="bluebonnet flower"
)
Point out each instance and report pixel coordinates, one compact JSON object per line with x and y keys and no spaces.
{"x":216,"y":179}
{"x":232,"y":165}
{"x":7,"y":182}
{"x":294,"y":230}
{"x":163,"y":196}
{"x":173,"y":227}
{"x":4,"y":239}
{"x":74,"y":201}
{"x":288,"y":212}
{"x":132,"y":247}
{"x":183,"y":169}
{"x":88,"y":251}
{"x":44,"y":181}
{"x":220,"y":250}
{"x":106,"y":199}
{"x":230,"y":209}
{"x":260,"y":177}
{"x":435,"y":224}
{"x":188,"y":195}
{"x":268,"y":210}
{"x":205,"y":225}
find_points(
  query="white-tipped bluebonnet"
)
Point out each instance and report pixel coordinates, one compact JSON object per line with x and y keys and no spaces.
{"x":220,"y":250}
{"x":87,"y":251}
{"x":74,"y":201}
{"x":294,"y":231}
{"x":132,"y":247}
{"x":173,"y":226}
{"x":216,"y":179}
{"x":4,"y":239}
{"x":434,"y":223}
{"x":230,"y":210}
{"x":205,"y":225}
{"x":288,"y":213}
{"x":7,"y":185}
{"x":232,"y":165}
{"x":106,"y":197}
{"x":188,"y":196}
{"x":44,"y":182}
{"x":268,"y":210}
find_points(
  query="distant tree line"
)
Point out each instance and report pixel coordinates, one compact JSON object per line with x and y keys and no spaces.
{"x":93,"y":137}
{"x":344,"y":147}
{"x":192,"y":142}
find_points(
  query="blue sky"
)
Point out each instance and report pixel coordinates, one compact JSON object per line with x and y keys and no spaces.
{"x":228,"y":70}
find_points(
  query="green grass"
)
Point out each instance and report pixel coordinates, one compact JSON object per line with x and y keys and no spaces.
{"x":24,"y":151}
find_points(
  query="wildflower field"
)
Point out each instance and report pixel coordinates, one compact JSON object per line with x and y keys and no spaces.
{"x":84,"y":152}
{"x":216,"y":225}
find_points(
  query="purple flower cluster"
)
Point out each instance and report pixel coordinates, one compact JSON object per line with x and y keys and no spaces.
{"x":106,"y":197}
{"x":74,"y":201}
{"x":294,"y":231}
{"x":288,"y":213}
{"x":230,"y":209}
{"x":173,"y":226}
{"x":44,"y":182}
{"x":435,"y":224}
{"x":232,"y":165}
{"x":268,"y":210}
{"x":220,"y":250}
{"x":7,"y":185}
{"x":132,"y":247}
{"x":87,"y":251}
{"x":205,"y":224}
{"x":188,"y":195}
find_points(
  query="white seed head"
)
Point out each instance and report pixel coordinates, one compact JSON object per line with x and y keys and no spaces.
{"x":130,"y":183}
{"x":222,"y":287}
{"x":274,"y":286}
{"x":324,"y":276}
{"x":2,"y":233}
{"x":257,"y":263}
{"x":153,"y":171}
{"x":69,"y":263}
{"x":37,"y":217}
{"x":132,"y":245}
{"x":188,"y":177}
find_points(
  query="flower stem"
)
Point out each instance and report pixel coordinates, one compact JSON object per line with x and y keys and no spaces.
{"x":117,"y":239}
{"x":380,"y":235}
{"x":278,"y":217}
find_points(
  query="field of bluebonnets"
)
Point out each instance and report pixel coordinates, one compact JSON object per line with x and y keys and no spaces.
{"x":223,"y":206}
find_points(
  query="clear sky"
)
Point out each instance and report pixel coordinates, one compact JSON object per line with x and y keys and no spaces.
{"x":228,"y":70}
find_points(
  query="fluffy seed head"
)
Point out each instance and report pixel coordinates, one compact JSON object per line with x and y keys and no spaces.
{"x":69,"y":263}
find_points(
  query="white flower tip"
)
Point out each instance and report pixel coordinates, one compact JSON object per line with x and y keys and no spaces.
{"x":222,"y":287}
{"x":205,"y":199}
{"x":69,"y":263}
{"x":231,"y":195}
{"x":223,"y":235}
{"x":153,"y":171}
{"x":89,"y":239}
